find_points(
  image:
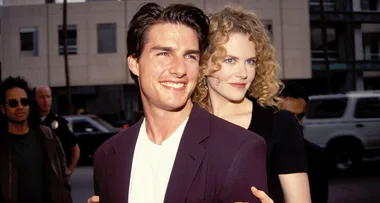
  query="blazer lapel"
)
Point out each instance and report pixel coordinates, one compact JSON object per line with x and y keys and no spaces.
{"x":189,"y":156}
{"x":119,"y":164}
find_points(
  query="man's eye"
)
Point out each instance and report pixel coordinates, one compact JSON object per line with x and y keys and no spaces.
{"x":163,"y":54}
{"x":191,"y":57}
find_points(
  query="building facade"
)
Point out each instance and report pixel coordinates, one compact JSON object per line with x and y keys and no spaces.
{"x":352,"y":28}
{"x":32,"y":44}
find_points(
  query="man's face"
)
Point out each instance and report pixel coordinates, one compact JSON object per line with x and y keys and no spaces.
{"x":168,"y":66}
{"x":16,"y":106}
{"x":43,"y":98}
{"x":295,"y":105}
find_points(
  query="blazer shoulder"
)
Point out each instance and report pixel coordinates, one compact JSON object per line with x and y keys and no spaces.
{"x":47,"y":132}
{"x":226,"y":130}
{"x":116,"y":140}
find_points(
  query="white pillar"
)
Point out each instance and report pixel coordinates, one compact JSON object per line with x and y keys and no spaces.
{"x":359,"y":55}
{"x":356,"y":5}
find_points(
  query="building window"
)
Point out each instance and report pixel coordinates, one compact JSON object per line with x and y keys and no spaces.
{"x":371,"y":45}
{"x":317,"y":46}
{"x":269,"y":26}
{"x":72,"y":47}
{"x":328,"y":5}
{"x":29,"y":41}
{"x":370,"y":5}
{"x":106,"y":38}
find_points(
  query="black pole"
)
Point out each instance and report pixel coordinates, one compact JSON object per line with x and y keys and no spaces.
{"x":325,"y":45}
{"x":352,"y":47}
{"x":67,"y":73}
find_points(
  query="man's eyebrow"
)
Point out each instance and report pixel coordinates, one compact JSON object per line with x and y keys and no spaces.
{"x":170,"y":49}
{"x":193,"y":51}
{"x":161,"y":48}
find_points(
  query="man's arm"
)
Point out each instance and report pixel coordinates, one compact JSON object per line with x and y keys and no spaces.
{"x":75,"y":154}
{"x":71,"y":142}
{"x":247,"y":169}
{"x":65,"y":172}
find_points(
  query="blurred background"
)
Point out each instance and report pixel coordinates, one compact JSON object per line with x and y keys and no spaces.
{"x":330,"y":47}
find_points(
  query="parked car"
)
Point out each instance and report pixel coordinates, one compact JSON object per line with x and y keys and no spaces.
{"x":90,"y":132}
{"x":347,"y":125}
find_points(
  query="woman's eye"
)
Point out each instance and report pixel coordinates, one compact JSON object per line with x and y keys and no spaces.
{"x":251,"y":62}
{"x":229,"y":60}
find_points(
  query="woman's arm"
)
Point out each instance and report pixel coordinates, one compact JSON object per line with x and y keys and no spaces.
{"x":291,"y":159}
{"x":295,"y":187}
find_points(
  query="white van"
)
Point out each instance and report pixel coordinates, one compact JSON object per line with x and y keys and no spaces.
{"x":347,"y":125}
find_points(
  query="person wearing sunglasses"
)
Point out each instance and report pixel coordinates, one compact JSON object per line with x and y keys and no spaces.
{"x":295,"y":99}
{"x":32,"y":160}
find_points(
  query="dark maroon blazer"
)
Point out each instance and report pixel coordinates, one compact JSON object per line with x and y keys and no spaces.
{"x":216,"y":161}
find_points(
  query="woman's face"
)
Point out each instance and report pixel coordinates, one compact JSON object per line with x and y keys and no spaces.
{"x":233,"y":80}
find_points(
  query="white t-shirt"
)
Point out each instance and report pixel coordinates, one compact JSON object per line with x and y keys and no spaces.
{"x":152,"y":165}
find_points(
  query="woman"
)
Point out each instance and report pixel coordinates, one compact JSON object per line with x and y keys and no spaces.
{"x":239,"y":83}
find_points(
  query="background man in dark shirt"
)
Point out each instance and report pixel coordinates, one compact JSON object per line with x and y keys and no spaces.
{"x":59,"y":125}
{"x":295,"y":100}
{"x":32,"y":161}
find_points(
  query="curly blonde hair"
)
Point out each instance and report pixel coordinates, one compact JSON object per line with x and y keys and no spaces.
{"x":266,"y":86}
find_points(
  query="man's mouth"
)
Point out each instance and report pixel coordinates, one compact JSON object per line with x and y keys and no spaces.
{"x":20,"y":114}
{"x":174,"y":85}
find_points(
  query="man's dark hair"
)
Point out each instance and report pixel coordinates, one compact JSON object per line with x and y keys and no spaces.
{"x":12,"y":82}
{"x":152,"y":14}
{"x":294,"y":90}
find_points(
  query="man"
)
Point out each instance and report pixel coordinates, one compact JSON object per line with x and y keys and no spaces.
{"x":295,"y":100}
{"x":32,"y":161}
{"x":42,"y":94}
{"x":178,"y":152}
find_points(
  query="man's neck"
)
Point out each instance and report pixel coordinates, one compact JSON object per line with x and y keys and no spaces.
{"x":18,"y":128}
{"x":161,"y":124}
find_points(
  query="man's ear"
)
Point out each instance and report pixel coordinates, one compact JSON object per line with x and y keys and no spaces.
{"x":2,"y":109}
{"x":133,"y":65}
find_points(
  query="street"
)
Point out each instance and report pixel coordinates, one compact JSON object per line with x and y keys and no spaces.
{"x":361,"y":187}
{"x":81,"y":183}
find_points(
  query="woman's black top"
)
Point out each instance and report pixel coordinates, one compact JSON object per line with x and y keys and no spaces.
{"x":285,"y":145}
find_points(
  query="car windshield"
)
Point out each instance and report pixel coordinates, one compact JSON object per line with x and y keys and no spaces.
{"x":105,"y":124}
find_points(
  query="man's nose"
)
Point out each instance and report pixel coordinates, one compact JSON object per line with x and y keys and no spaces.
{"x":178,"y":67}
{"x":19,"y":105}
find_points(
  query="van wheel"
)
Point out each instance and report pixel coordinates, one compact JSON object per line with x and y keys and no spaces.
{"x":344,"y":161}
{"x":345,"y":157}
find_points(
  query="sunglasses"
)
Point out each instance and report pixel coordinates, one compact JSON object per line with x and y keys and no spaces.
{"x":14,"y":102}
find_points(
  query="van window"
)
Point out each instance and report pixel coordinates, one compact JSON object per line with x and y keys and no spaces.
{"x":367,"y":108}
{"x":326,"y":108}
